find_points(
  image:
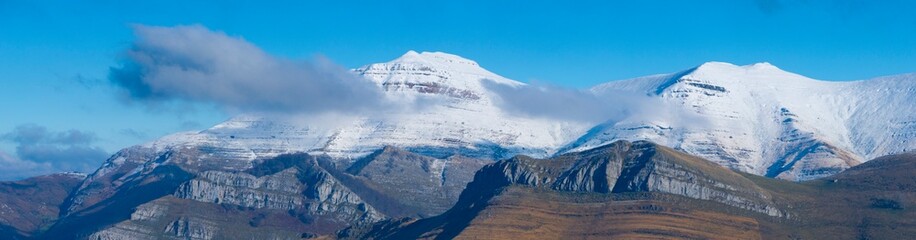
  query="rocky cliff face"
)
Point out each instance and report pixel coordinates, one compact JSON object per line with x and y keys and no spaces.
{"x":631,"y":167}
{"x":680,"y":174}
{"x":423,"y":186}
{"x":172,"y":218}
{"x":293,"y":184}
{"x":310,"y":191}
{"x":283,"y":197}
{"x":279,"y":191}
{"x":112,"y":175}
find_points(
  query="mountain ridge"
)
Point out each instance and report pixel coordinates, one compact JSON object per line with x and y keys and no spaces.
{"x":509,"y":199}
{"x":629,"y":181}
{"x":767,"y":121}
{"x":474,"y":127}
{"x":763,"y":120}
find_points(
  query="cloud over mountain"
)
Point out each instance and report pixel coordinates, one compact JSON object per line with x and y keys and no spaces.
{"x":12,"y":168}
{"x":195,"y":64}
{"x":566,"y":104}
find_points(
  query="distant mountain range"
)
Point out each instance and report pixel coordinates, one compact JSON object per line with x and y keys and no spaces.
{"x":755,"y":118}
{"x":260,"y":177}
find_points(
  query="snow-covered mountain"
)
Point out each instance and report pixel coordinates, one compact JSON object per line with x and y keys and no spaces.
{"x":755,"y":118}
{"x":219,"y":162}
{"x":463,"y":120}
{"x":763,"y":120}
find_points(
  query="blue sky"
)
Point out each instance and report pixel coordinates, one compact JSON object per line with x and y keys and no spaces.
{"x":55,"y":55}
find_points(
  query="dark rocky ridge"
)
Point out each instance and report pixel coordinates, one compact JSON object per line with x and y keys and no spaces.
{"x":424,"y":186}
{"x":650,"y":191}
{"x":635,"y":185}
{"x":632,"y":167}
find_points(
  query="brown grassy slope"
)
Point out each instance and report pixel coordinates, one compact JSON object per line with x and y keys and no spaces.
{"x":520,"y":212}
{"x":874,"y":200}
{"x":525,"y":213}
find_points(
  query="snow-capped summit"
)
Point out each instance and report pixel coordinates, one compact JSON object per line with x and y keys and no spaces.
{"x":764,"y":120}
{"x":434,"y":73}
{"x":762,"y":73}
{"x":465,"y":121}
{"x":755,"y":118}
{"x":428,"y":57}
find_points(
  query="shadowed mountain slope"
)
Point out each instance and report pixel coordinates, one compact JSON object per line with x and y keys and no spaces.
{"x":27,"y":206}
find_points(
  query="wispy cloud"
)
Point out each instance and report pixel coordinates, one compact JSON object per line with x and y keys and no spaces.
{"x":561,"y":103}
{"x":195,"y":64}
{"x":769,"y":6}
{"x":40,"y":151}
{"x":608,"y":106}
{"x":12,"y":168}
{"x":133,"y":133}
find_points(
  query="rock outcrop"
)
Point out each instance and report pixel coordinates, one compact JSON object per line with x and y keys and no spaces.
{"x":283,"y":197}
{"x":421,"y":185}
{"x":623,"y":167}
{"x":279,"y":191}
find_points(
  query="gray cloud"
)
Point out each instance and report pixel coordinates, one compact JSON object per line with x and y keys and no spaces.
{"x":31,"y":134}
{"x":195,"y":64}
{"x":12,"y":168}
{"x":566,"y":104}
{"x":40,"y":151}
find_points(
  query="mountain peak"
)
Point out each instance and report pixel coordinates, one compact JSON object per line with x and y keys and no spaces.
{"x":432,"y":71}
{"x":729,"y":67}
{"x":757,"y":73}
{"x":437,"y":57}
{"x":714,"y":64}
{"x":762,"y":64}
{"x":710,"y":74}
